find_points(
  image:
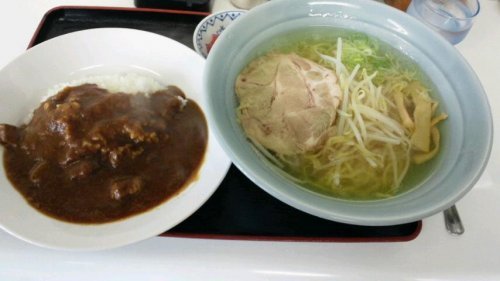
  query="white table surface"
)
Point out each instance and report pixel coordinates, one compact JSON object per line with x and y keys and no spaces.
{"x":433,"y":255}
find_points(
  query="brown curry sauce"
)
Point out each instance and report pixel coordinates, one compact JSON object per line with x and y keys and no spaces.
{"x":91,"y":156}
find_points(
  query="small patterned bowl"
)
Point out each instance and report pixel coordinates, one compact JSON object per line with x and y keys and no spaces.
{"x":209,"y":29}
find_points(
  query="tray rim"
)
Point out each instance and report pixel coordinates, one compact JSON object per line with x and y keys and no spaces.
{"x":107,"y":8}
{"x":374,"y":239}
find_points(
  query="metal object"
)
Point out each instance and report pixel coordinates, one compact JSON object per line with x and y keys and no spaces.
{"x":452,"y":221}
{"x":399,"y":4}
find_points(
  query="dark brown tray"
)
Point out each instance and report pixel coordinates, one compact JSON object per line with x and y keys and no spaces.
{"x":238,"y":209}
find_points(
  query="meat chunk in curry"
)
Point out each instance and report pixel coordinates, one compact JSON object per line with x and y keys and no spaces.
{"x":91,"y":156}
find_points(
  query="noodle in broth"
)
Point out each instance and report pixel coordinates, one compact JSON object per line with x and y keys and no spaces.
{"x":384,"y":124}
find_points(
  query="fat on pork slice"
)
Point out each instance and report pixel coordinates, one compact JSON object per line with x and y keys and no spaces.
{"x":287,"y":103}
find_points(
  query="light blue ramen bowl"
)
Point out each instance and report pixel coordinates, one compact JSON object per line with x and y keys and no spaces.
{"x":467,"y":134}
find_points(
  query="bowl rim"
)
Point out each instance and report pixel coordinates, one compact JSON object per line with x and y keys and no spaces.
{"x":255,"y":20}
{"x":117,"y":52}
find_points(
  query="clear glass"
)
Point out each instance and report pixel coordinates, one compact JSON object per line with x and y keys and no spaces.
{"x":451,"y":18}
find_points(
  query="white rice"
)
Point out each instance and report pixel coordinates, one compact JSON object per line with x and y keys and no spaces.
{"x":129,"y":83}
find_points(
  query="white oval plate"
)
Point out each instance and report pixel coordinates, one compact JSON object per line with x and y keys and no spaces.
{"x":24,"y":83}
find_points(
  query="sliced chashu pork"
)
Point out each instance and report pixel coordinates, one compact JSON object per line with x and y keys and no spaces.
{"x":287,"y":103}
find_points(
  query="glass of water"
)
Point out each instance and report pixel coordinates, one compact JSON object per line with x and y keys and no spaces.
{"x":451,"y":18}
